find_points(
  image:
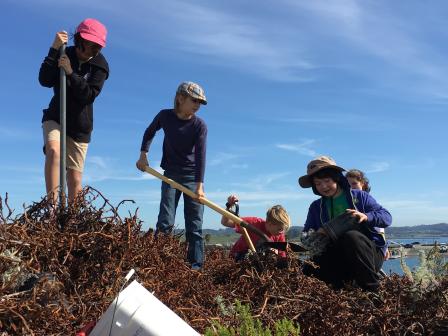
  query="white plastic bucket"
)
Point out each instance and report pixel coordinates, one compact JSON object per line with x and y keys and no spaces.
{"x":140,"y":313}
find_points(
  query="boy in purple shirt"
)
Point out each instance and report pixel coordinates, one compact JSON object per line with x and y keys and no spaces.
{"x":357,"y":252}
{"x":183,"y":160}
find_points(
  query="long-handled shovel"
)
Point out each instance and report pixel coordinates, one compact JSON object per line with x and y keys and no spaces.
{"x":63,"y":133}
{"x":208,"y":203}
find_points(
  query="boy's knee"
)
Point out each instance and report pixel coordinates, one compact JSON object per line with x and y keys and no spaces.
{"x":353,"y":241}
{"x":352,"y":237}
{"x":52,"y":151}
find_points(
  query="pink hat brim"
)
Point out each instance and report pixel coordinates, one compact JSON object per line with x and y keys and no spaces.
{"x":93,"y":38}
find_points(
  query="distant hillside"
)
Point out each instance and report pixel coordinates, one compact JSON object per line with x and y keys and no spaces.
{"x":438,"y":230}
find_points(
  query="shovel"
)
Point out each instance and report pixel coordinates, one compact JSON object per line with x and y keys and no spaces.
{"x":208,"y":203}
{"x":283,"y":246}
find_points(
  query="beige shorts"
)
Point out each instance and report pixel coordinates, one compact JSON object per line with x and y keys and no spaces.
{"x":76,"y":151}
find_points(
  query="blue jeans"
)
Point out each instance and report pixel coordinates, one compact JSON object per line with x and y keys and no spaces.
{"x":193,"y":213}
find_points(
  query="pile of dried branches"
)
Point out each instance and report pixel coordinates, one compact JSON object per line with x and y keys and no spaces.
{"x":60,"y":271}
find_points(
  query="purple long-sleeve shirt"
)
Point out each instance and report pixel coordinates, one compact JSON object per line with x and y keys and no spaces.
{"x":184,"y":144}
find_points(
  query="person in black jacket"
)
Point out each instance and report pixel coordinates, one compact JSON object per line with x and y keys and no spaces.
{"x":86,"y":70}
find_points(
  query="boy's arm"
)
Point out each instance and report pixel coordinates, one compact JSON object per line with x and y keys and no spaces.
{"x":227,"y":222}
{"x":282,"y":238}
{"x":148,"y":136}
{"x":86,"y":90}
{"x":200,"y":190}
{"x":377,"y":216}
{"x":49,"y":70}
{"x":142,"y":161}
{"x":312,"y":219}
{"x":231,"y":200}
{"x":200,"y":154}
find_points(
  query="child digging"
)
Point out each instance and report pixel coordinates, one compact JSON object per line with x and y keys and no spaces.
{"x":275,"y":225}
{"x":86,"y":71}
{"x":183,"y":160}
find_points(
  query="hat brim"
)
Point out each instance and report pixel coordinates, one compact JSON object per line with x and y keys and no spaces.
{"x":93,"y":38}
{"x":305,"y":181}
{"x":201,"y":99}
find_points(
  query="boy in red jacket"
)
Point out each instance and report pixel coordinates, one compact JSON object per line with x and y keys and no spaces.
{"x":275,"y":225}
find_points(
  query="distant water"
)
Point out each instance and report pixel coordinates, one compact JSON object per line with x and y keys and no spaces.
{"x":394,"y":266}
{"x":425,"y":240}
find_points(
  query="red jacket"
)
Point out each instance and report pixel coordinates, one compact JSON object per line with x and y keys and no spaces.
{"x":241,"y":246}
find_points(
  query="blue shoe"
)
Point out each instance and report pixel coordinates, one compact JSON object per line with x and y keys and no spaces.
{"x":196,"y":267}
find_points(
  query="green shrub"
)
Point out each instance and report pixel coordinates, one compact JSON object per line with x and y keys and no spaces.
{"x":248,"y":326}
{"x":428,"y":275}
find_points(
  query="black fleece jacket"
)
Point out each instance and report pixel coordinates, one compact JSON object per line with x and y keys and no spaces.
{"x":83,"y":86}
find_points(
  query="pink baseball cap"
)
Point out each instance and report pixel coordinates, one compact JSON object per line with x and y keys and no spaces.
{"x":93,"y":30}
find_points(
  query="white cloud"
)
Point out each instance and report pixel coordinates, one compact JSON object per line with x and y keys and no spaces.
{"x":283,"y":48}
{"x":335,"y":118}
{"x":346,"y":12}
{"x":236,"y":40}
{"x":22,"y":169}
{"x":98,"y":161}
{"x":104,"y":169}
{"x":399,"y":42}
{"x":261,"y":183}
{"x":219,"y":35}
{"x":220,"y":158}
{"x":257,"y":198}
{"x":416,"y":212}
{"x":377,"y":167}
{"x":302,"y":148}
{"x":16,"y":134}
{"x":239,"y":166}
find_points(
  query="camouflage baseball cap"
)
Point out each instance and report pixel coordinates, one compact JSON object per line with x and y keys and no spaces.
{"x":193,"y":90}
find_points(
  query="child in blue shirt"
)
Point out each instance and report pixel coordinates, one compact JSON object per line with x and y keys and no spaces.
{"x":183,"y":159}
{"x":358,"y":253}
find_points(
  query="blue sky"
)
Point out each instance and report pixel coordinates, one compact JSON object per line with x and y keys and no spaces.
{"x":362,"y":81}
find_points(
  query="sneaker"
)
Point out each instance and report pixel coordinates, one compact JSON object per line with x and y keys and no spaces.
{"x":196,"y":267}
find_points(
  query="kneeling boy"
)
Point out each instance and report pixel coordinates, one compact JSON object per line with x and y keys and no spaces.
{"x":275,"y":225}
{"x":357,"y":253}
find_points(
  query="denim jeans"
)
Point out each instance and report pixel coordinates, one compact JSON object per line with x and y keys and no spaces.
{"x":193,"y":213}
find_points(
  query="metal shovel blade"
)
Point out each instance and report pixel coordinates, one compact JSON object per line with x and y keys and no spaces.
{"x":295,"y":247}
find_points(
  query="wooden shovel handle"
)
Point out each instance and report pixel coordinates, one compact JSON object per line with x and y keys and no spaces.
{"x":204,"y":201}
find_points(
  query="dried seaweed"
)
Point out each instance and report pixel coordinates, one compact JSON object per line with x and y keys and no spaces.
{"x":77,"y":260}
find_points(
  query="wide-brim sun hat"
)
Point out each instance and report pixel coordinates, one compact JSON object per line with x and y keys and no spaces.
{"x":194,"y":90}
{"x":92,"y":30}
{"x":315,"y":166}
